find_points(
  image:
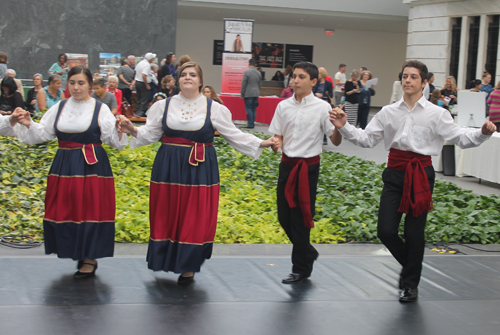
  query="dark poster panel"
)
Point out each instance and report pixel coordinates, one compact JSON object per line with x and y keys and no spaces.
{"x":218,"y":50}
{"x":298,"y":53}
{"x":268,"y":54}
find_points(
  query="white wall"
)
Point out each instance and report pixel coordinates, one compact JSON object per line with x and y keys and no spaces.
{"x":382,"y":53}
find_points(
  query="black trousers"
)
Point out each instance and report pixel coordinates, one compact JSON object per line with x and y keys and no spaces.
{"x":363,"y":111}
{"x":303,"y":253}
{"x":142,"y":97}
{"x":127,"y":95}
{"x":410,"y":251}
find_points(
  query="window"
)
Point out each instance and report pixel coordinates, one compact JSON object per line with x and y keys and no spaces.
{"x":473,"y":49}
{"x":455,"y":45}
{"x":492,"y":47}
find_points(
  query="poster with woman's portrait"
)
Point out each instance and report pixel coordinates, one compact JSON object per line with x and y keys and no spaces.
{"x":238,"y":35}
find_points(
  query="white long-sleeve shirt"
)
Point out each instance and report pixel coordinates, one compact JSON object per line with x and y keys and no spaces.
{"x":5,"y":128}
{"x":422,"y":130}
{"x":190,"y":114}
{"x":302,"y":125}
{"x":76,"y":117}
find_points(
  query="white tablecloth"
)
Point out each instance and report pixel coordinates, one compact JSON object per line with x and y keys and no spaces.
{"x":482,"y":162}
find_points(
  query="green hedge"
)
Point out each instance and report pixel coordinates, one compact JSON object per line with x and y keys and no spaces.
{"x":347,"y":204}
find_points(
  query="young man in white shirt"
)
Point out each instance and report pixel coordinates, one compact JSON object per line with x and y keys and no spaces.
{"x":413,"y":129}
{"x":340,"y":80}
{"x":299,"y":124}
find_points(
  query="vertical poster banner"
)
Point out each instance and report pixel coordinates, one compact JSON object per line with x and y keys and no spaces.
{"x":77,"y":59}
{"x":218,"y":50}
{"x":233,"y":67}
{"x":298,"y":53}
{"x":238,"y":35}
{"x":237,"y":52}
{"x":109,"y":63}
{"x":268,"y":54}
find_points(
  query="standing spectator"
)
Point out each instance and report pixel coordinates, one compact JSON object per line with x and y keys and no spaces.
{"x":486,"y":84}
{"x":10,"y":98}
{"x":3,"y":64}
{"x":430,"y":80}
{"x":153,"y":80}
{"x":328,"y":78}
{"x":49,"y":95}
{"x":61,"y":68}
{"x":450,"y":90}
{"x":11,"y":73}
{"x":352,"y":89}
{"x":168,"y":68}
{"x":131,"y":61}
{"x":323,"y":88}
{"x":101,"y":95}
{"x":494,"y":103}
{"x":475,"y":85}
{"x":168,"y":85}
{"x":250,"y":91}
{"x":142,"y":79}
{"x":340,"y":80}
{"x":113,"y":89}
{"x":182,"y":60}
{"x":365,"y":100}
{"x":126,"y":76}
{"x":288,"y":75}
{"x":397,"y":90}
{"x":209,"y":92}
{"x":288,"y":92}
{"x":33,"y":92}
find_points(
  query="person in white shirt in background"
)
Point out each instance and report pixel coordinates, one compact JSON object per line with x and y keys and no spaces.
{"x":340,"y":80}
{"x":299,"y":124}
{"x":413,"y":129}
{"x":397,"y":89}
{"x":142,"y":79}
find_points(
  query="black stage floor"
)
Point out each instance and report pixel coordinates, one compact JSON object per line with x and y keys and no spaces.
{"x":244,"y":295}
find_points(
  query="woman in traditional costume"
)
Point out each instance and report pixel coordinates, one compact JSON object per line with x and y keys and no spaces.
{"x":79,"y":220}
{"x":184,"y":194}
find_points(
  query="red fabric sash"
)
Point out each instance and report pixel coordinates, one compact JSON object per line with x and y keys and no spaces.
{"x":87,"y":149}
{"x":415,"y":179}
{"x":197,"y":152}
{"x":300,"y":175}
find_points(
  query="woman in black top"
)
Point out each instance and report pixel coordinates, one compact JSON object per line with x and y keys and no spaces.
{"x":450,"y":90}
{"x":351,"y":97}
{"x":278,"y":76}
{"x":31,"y":96}
{"x":10,"y":99}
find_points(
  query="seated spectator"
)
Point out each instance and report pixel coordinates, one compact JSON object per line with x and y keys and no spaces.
{"x":278,"y":76}
{"x":33,"y":92}
{"x":11,"y":73}
{"x":49,"y":95}
{"x":10,"y":98}
{"x":475,"y":85}
{"x":157,"y":97}
{"x":3,"y":64}
{"x":168,"y":85}
{"x":450,"y":90}
{"x":113,"y":88}
{"x":101,"y":95}
{"x":288,"y":92}
{"x":209,"y":92}
{"x":438,"y":99}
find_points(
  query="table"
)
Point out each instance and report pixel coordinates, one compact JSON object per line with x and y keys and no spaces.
{"x":482,"y":162}
{"x":265,"y":111}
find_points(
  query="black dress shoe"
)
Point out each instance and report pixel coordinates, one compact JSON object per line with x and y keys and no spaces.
{"x":408,"y":295}
{"x":82,"y":275}
{"x":185,"y":280}
{"x":247,"y":127}
{"x":293,"y":278}
{"x":79,"y":265}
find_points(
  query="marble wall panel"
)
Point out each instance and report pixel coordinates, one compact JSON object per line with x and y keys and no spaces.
{"x":428,"y":11}
{"x":428,"y":37}
{"x":431,"y":24}
{"x":33,"y":33}
{"x":427,"y":52}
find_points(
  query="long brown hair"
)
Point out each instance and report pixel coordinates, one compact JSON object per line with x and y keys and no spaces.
{"x":213,"y":94}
